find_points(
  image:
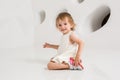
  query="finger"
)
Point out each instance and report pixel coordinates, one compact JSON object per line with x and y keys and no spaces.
{"x":76,"y":64}
{"x":44,"y":45}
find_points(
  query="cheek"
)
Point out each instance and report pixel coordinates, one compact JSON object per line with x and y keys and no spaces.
{"x":59,"y":29}
{"x":68,"y":27}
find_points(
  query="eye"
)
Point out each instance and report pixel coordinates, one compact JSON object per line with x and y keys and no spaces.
{"x":60,"y":25}
{"x":65,"y":23}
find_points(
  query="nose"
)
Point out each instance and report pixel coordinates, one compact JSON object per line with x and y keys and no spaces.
{"x":62,"y":27}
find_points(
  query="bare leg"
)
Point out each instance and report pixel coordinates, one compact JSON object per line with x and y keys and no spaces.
{"x":55,"y":66}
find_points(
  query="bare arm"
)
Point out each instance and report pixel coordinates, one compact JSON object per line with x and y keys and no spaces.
{"x":47,"y":45}
{"x":80,"y":43}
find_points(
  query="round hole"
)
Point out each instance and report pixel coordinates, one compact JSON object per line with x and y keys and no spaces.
{"x":105,"y":19}
{"x":80,"y":1}
{"x":63,"y":10}
{"x":42,"y":16}
{"x":97,"y":19}
{"x":77,"y":1}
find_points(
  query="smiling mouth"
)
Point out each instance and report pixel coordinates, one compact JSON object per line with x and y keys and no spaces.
{"x":63,"y":30}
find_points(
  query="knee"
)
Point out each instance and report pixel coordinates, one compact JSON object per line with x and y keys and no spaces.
{"x":49,"y":66}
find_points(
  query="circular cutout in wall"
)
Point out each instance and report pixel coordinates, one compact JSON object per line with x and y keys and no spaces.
{"x":97,"y":19}
{"x":77,"y":1}
{"x":62,"y":10}
{"x":80,"y":1}
{"x":42,"y":16}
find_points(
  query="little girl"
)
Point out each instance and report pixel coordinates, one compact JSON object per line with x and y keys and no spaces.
{"x":69,"y":50}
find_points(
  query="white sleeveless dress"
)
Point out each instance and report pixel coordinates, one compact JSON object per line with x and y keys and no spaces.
{"x":65,"y":50}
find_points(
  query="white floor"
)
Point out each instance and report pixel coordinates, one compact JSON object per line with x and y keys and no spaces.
{"x":20,"y":26}
{"x":30,"y":64}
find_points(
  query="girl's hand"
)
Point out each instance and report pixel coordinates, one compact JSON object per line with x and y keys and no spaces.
{"x":77,"y":61}
{"x":46,"y":45}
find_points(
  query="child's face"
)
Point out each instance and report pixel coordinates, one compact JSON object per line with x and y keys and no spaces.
{"x":64,"y":26}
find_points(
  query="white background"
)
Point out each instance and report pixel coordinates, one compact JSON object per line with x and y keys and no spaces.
{"x":26,"y":24}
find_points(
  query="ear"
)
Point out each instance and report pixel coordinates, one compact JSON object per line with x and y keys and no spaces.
{"x":71,"y":26}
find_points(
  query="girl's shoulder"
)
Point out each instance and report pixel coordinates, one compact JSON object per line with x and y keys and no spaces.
{"x":76,"y":35}
{"x":73,"y":33}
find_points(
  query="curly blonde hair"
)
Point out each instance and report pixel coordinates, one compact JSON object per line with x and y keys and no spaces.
{"x":63,"y":16}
